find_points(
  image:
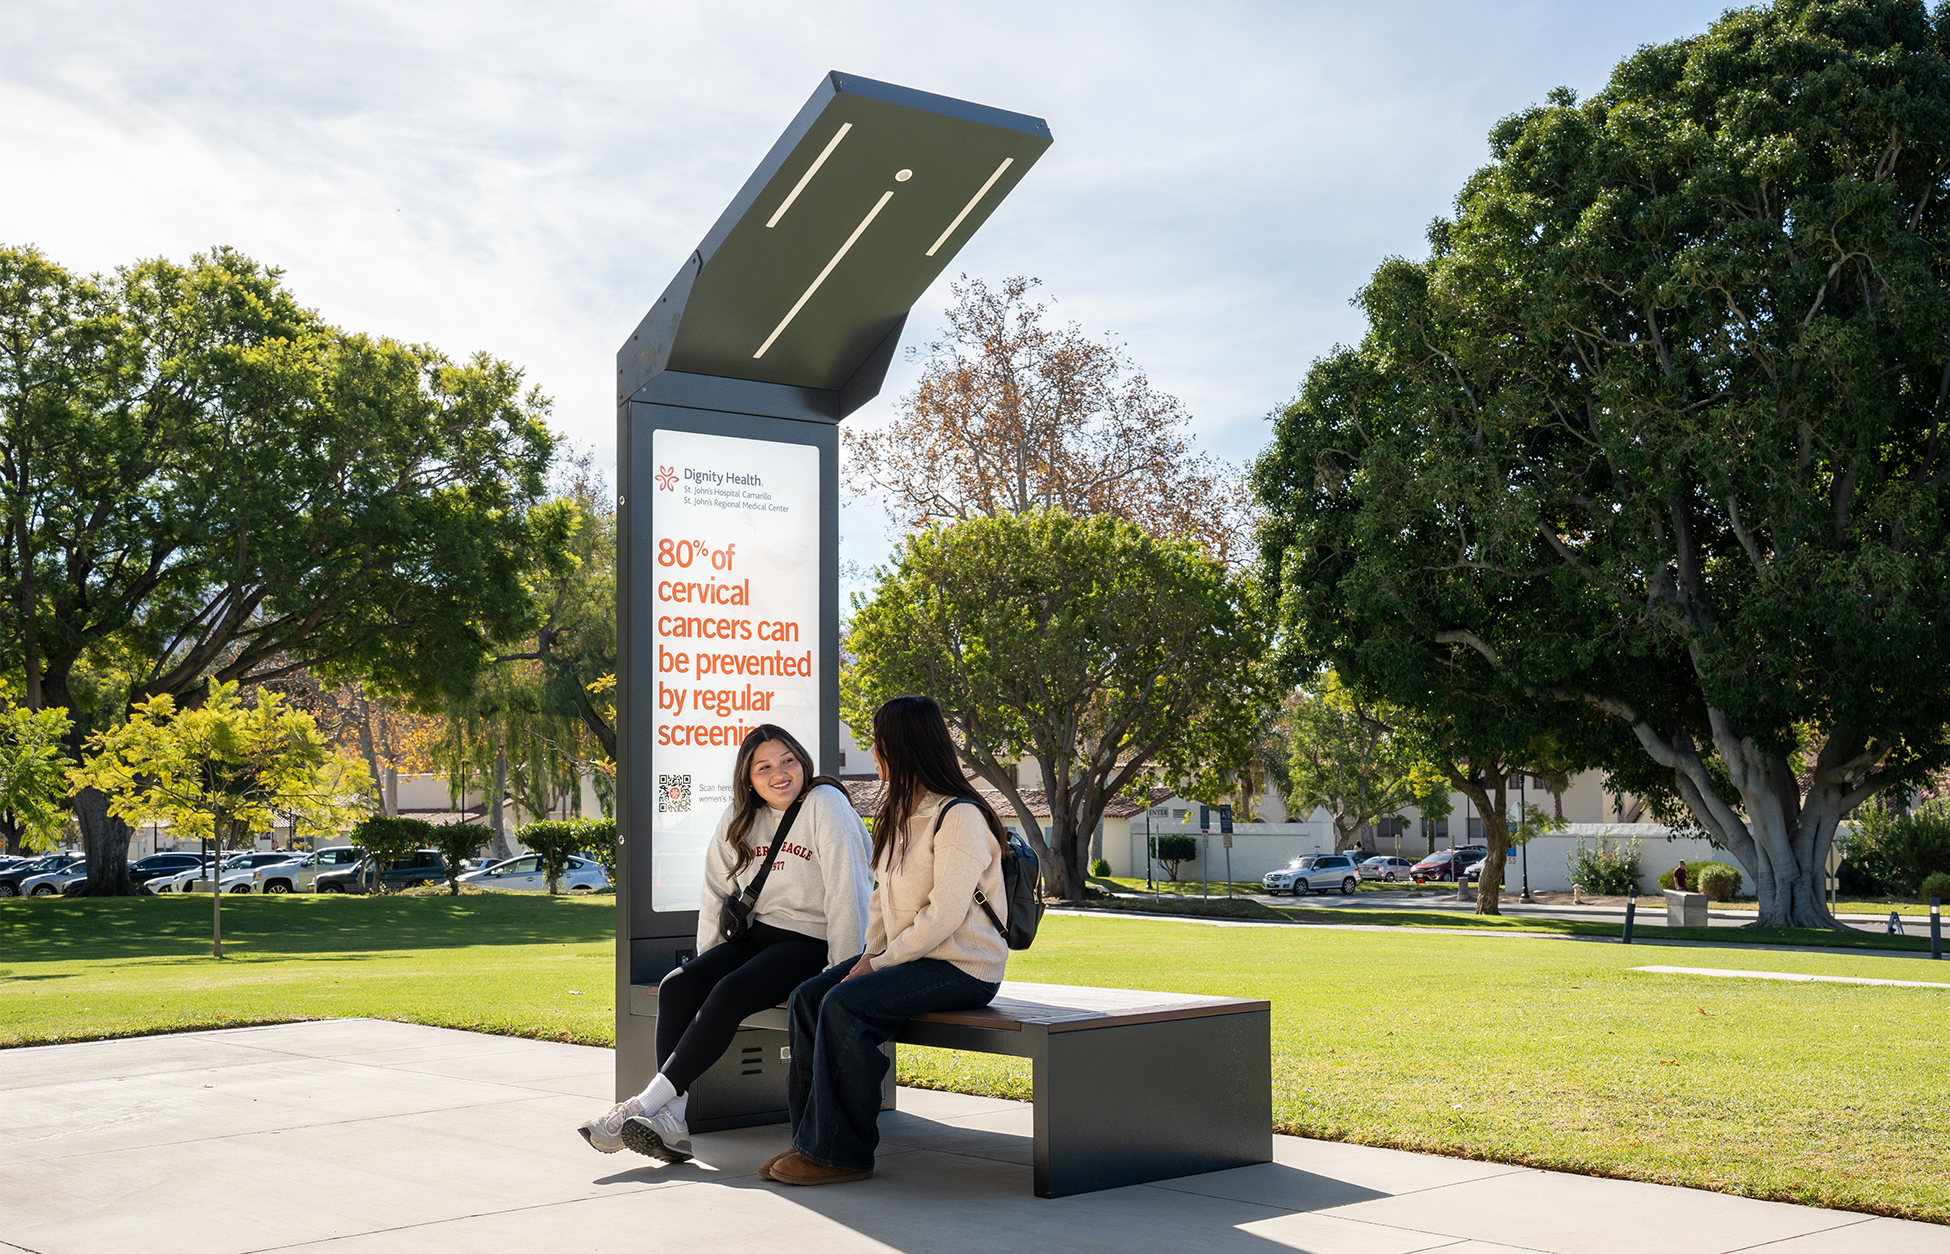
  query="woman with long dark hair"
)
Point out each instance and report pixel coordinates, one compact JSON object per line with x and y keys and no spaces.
{"x":810,"y":912}
{"x":929,"y":946}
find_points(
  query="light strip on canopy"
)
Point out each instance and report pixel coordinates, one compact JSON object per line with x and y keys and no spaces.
{"x":973,"y":201}
{"x":799,"y":304}
{"x":806,"y":178}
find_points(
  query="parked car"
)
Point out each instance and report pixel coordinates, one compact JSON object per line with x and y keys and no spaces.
{"x":1316,"y":874}
{"x":198,"y":870}
{"x":1445,"y":864}
{"x":1475,"y":870}
{"x":10,"y":880}
{"x":524,"y":875}
{"x":296,"y":874}
{"x":1385,"y":867}
{"x":422,"y":866}
{"x":50,"y":883}
{"x":341,"y":855}
{"x":157,"y":864}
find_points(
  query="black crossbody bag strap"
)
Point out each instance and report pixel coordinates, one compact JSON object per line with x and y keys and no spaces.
{"x":746,"y":905}
{"x":980,"y":898}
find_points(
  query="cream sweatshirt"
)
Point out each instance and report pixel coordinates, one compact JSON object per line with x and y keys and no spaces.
{"x":820,"y":882}
{"x":924,"y":905}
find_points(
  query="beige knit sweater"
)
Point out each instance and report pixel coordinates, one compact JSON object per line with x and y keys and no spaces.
{"x":924,"y":903}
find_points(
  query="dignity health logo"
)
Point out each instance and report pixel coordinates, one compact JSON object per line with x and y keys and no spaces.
{"x":667,"y":478}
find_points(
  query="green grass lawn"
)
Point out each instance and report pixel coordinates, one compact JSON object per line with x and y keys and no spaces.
{"x":1531,"y":1051}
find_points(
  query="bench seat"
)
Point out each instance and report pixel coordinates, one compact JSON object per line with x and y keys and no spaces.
{"x":1130,"y":1086}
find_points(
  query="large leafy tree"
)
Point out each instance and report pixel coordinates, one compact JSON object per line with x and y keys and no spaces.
{"x":1084,"y":643}
{"x":1012,"y":414}
{"x":1652,"y":444}
{"x":203,"y":482}
{"x":543,"y":718}
{"x":1348,"y":756}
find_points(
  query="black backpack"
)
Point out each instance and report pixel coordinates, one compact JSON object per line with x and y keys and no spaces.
{"x":1022,"y":885}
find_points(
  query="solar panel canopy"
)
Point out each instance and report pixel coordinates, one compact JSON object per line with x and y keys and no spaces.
{"x":807,"y":277}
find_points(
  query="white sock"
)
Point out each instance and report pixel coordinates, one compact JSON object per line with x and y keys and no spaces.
{"x":678,"y":1105}
{"x":655,"y":1094}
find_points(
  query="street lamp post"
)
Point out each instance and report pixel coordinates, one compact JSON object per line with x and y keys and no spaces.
{"x":1523,"y":816}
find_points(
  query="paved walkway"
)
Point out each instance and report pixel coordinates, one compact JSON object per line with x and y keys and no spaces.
{"x":1651,"y":909}
{"x":364,"y":1136}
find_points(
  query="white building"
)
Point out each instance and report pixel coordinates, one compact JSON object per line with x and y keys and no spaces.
{"x":1276,"y":838}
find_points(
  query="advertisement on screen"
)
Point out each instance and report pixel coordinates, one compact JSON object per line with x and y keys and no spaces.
{"x":735,"y":538}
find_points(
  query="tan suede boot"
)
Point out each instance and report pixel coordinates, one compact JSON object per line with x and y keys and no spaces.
{"x":795,"y":1169}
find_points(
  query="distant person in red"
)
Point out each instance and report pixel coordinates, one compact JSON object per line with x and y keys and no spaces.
{"x":1679,"y":877}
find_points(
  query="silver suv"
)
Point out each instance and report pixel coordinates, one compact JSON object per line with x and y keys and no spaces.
{"x":1316,"y":874}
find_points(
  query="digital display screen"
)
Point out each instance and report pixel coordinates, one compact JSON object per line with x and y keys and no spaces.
{"x":735,"y":544}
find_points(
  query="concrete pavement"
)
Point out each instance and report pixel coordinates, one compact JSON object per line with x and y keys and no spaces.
{"x":367,"y":1136}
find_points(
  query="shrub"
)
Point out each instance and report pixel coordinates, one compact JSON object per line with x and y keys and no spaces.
{"x":1887,"y":854}
{"x":1609,"y":870}
{"x":1696,"y":878}
{"x":599,"y":842}
{"x":1936,"y":884}
{"x":1174,"y":849}
{"x":457,"y":842}
{"x":1100,"y":869}
{"x":1717,"y":880}
{"x":557,"y":840}
{"x":385,"y":839}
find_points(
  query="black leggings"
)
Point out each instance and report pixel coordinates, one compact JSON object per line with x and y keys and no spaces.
{"x":700,"y":1004}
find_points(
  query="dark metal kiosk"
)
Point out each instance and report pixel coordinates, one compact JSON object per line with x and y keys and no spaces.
{"x":781,"y":323}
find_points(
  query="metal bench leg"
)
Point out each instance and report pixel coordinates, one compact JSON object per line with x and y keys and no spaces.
{"x":1151,"y":1101}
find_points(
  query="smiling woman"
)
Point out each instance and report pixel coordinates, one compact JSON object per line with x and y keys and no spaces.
{"x":774,"y":913}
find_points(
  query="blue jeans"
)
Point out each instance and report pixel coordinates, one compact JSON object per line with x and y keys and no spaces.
{"x":833,"y":1087}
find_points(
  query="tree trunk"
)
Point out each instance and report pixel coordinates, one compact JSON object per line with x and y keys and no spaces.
{"x":369,"y":750}
{"x":1487,"y":789}
{"x":497,"y":809}
{"x":105,"y":844}
{"x":10,"y":829}
{"x":1783,"y":842}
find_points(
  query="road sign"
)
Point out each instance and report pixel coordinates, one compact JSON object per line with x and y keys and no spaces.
{"x":1225,"y":824}
{"x":1204,"y":818}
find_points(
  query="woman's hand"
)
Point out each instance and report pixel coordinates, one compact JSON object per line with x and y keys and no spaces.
{"x":862,"y":967}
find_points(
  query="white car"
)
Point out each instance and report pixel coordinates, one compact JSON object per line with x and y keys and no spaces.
{"x":524,"y":875}
{"x":182,"y":881}
{"x":296,"y":874}
{"x":50,"y":883}
{"x":1386,"y":867}
{"x":1316,"y":874}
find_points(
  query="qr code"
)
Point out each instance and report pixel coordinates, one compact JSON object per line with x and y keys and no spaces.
{"x":673,"y":794}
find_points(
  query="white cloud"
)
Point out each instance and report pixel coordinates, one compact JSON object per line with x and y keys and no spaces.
{"x":524,"y":178}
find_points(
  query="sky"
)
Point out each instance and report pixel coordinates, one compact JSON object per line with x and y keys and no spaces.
{"x":524,"y":179}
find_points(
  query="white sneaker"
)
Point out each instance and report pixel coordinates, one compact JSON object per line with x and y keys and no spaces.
{"x":605,"y":1132}
{"x":659,"y":1135}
